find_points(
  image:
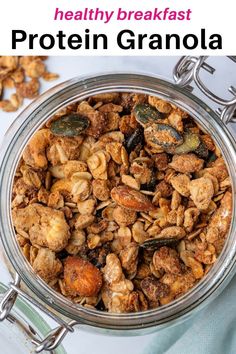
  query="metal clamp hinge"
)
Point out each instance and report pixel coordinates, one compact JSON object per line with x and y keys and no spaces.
{"x":187,"y":71}
{"x":54,"y":337}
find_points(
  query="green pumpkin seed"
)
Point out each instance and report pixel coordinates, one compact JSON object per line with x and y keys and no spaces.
{"x":144,"y":114}
{"x":162,"y":135}
{"x":191,"y":143}
{"x":70,"y":125}
{"x":154,"y":243}
{"x":202,"y":150}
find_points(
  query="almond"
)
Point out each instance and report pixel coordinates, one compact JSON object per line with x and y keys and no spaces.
{"x":131,"y":199}
{"x":82,"y":277}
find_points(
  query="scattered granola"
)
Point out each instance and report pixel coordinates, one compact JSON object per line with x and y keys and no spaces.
{"x":22,"y":74}
{"x":120,"y":202}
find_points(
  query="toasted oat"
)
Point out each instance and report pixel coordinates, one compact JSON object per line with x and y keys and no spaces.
{"x":181,"y":184}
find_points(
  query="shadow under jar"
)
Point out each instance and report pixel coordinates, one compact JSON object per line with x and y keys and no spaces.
{"x":16,"y":139}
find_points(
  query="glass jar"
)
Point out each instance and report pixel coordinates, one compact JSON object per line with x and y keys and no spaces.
{"x":31,"y":119}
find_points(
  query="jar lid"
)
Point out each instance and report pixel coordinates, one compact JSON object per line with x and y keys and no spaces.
{"x":22,"y":326}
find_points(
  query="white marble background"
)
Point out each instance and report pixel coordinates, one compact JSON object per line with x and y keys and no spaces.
{"x":68,"y":67}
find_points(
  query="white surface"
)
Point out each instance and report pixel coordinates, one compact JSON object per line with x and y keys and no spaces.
{"x":83,"y":342}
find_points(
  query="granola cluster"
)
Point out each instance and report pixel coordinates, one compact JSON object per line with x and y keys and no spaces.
{"x":121,"y":202}
{"x":21,"y":74}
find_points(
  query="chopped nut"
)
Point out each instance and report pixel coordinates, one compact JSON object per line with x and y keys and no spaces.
{"x":112,"y":121}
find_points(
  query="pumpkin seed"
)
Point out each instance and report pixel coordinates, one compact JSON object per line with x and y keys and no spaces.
{"x":134,"y":140}
{"x":144,"y":114}
{"x":191,"y":143}
{"x":154,"y":243}
{"x":202,"y":150}
{"x":162,"y":135}
{"x":70,"y":125}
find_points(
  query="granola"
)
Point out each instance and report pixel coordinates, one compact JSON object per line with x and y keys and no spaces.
{"x":23,"y":74}
{"x":120,"y":202}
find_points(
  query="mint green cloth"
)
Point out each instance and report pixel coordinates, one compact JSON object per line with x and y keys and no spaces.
{"x":212,"y":331}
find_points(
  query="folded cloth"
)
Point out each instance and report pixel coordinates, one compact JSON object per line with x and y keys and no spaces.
{"x":212,"y":331}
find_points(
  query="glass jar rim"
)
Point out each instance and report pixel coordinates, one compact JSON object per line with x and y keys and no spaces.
{"x":34,"y":116}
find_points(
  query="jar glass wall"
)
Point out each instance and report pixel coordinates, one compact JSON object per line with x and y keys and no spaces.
{"x":34,"y":117}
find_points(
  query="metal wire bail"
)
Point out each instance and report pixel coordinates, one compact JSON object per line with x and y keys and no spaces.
{"x":55,"y":336}
{"x":9,"y":299}
{"x":187,"y":71}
